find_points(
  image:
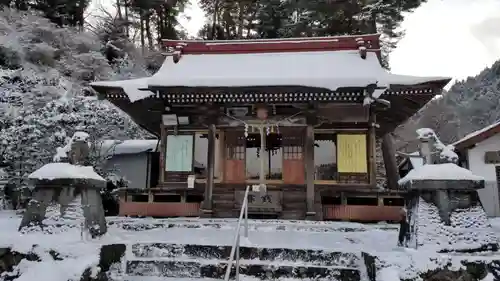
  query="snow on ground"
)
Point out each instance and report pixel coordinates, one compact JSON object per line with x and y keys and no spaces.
{"x":80,"y":253}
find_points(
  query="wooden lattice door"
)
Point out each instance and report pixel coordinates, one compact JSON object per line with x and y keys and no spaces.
{"x":234,"y":162}
{"x":293,"y":156}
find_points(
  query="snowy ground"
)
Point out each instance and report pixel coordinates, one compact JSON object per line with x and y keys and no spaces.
{"x":80,"y":253}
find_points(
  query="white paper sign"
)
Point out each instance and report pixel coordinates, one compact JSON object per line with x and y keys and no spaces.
{"x":191,"y":179}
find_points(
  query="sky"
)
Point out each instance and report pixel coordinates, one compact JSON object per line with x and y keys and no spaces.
{"x":452,"y":38}
{"x":455,"y":38}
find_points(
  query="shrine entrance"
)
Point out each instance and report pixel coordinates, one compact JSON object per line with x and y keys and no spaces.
{"x":283,"y":157}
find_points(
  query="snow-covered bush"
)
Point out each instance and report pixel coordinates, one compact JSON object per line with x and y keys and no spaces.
{"x":44,"y":76}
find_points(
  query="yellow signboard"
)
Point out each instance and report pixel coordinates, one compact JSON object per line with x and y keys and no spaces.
{"x":351,"y":153}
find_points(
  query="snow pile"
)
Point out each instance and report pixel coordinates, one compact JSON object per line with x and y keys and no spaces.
{"x":53,"y":171}
{"x":71,"y":267}
{"x":469,"y":229}
{"x":445,"y":171}
{"x":388,"y":274}
{"x":54,"y":270}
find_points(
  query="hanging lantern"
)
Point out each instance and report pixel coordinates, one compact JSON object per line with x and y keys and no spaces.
{"x":246,"y":130}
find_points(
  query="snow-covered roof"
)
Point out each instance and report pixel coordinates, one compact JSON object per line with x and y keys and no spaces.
{"x":479,"y":135}
{"x":329,"y":69}
{"x":415,"y":159}
{"x":130,"y":87}
{"x":318,"y":69}
{"x":446,"y":171}
{"x":54,"y":171}
{"x":114,"y":147}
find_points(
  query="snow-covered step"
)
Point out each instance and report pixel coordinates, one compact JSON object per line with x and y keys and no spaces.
{"x":260,"y":225}
{"x":158,"y":251}
{"x":263,"y":270}
{"x":241,"y":278}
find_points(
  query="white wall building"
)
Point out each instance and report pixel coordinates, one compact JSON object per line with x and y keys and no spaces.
{"x":480,"y":152}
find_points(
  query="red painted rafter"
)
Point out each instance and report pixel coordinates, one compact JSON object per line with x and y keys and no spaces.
{"x":303,"y":44}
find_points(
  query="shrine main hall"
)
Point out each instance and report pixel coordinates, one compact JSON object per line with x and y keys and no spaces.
{"x":304,"y":118}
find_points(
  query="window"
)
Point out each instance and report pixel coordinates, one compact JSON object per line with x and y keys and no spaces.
{"x":179,"y":153}
{"x":273,"y":157}
{"x":293,"y":145}
{"x":235,"y":147}
{"x":325,"y":157}
{"x":362,"y":201}
{"x":200,"y":155}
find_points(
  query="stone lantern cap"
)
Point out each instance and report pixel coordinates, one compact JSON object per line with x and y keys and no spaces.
{"x":446,"y":176}
{"x":53,"y":174}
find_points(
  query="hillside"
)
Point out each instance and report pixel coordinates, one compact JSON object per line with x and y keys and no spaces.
{"x":469,"y":105}
{"x":44,"y":93}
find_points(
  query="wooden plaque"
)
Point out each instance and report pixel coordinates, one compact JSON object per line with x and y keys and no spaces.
{"x":257,"y":202}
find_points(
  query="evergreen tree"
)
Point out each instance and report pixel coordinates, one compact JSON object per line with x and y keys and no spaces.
{"x":304,"y":18}
{"x":60,"y":12}
{"x":46,"y":98}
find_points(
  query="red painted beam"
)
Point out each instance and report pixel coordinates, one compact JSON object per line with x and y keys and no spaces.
{"x":273,"y":45}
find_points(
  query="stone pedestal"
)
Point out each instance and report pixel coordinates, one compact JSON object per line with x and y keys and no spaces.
{"x":447,"y":216}
{"x":93,"y":211}
{"x":64,"y":191}
{"x":35,"y":211}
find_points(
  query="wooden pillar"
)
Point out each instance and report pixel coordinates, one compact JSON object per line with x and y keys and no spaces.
{"x":390,"y":164}
{"x":209,"y":186}
{"x":163,"y":147}
{"x":372,"y":143}
{"x":309,"y":162}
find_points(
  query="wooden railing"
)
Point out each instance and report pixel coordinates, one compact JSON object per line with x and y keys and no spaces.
{"x":361,"y":213}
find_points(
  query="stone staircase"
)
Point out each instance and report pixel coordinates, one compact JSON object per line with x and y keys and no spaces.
{"x":146,"y":260}
{"x":206,"y":261}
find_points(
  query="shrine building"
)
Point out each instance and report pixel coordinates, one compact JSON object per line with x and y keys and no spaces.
{"x":297,"y":117}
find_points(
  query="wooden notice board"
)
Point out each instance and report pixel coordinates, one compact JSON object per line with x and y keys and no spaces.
{"x":269,"y":201}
